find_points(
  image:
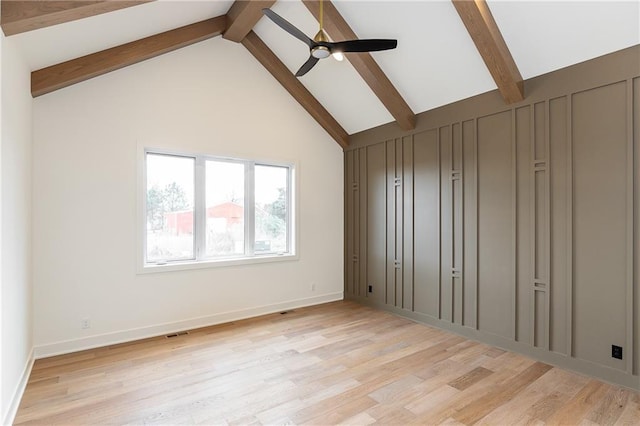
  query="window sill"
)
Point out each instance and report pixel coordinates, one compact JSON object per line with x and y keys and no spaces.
{"x":220,"y":263}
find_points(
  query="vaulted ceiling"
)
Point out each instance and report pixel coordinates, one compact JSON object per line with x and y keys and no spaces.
{"x":447,"y":50}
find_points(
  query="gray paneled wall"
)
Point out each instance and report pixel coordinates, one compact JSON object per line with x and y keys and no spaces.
{"x":513,"y":225}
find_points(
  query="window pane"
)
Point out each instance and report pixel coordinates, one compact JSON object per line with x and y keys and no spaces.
{"x":271,"y":196}
{"x":170,"y":192}
{"x":225,"y":208}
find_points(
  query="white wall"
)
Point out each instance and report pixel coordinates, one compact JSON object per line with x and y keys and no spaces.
{"x":212,"y":97}
{"x":15,"y":257}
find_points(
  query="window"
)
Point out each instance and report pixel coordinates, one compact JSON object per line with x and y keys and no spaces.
{"x":224,"y":221}
{"x":206,"y":209}
{"x":170,"y":194}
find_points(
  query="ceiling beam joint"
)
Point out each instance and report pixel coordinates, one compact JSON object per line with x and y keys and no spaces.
{"x":243,"y":16}
{"x":484,"y":32}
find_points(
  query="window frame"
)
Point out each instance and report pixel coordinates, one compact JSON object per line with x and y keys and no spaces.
{"x":200,"y":260}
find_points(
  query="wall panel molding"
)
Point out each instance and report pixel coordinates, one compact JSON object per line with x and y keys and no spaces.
{"x":394,"y":222}
{"x":630,"y":229}
{"x":399,"y":224}
{"x":517,"y":226}
{"x":570,"y":282}
{"x":362,"y":255}
{"x":547,"y":226}
{"x":456,"y":189}
{"x":540,"y":228}
{"x":558,"y":202}
{"x":514,"y":223}
{"x":523,"y":293}
{"x":477,"y":226}
{"x":356,"y":222}
{"x":408,"y":224}
{"x":349,"y":225}
{"x":469,"y":222}
{"x":446,"y":215}
{"x":636,"y":205}
{"x":439,"y":156}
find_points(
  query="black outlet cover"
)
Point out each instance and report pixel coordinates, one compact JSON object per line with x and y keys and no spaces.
{"x":616,"y":351}
{"x":370,"y":289}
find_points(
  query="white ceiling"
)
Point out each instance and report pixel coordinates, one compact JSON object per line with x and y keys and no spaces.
{"x":436,"y":62}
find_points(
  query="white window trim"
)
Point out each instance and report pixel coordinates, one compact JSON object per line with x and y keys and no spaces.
{"x":142,"y":267}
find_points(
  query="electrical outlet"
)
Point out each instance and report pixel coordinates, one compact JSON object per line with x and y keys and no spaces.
{"x":370,"y":289}
{"x":85,"y":323}
{"x":313,"y":286}
{"x":616,"y":352}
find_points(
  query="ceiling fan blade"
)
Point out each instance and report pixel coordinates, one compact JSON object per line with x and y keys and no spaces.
{"x":287,"y":26}
{"x":306,"y":67}
{"x":367,"y":45}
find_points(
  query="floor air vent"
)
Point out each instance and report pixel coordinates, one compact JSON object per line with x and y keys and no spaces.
{"x":181,"y":333}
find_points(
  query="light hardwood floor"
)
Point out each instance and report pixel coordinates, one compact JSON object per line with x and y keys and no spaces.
{"x":329,"y":364}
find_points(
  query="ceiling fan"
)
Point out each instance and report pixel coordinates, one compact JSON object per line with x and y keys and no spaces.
{"x":320,"y":47}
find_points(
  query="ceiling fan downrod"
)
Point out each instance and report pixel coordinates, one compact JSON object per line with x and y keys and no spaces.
{"x":320,"y":51}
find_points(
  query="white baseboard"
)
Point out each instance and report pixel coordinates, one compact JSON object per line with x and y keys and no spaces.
{"x":14,"y":402}
{"x":75,"y":345}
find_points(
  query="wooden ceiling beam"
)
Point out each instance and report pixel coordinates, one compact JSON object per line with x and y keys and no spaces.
{"x":19,"y":16}
{"x":243,"y":16}
{"x":270,"y":61}
{"x":484,"y":32}
{"x":76,"y":70}
{"x":338,"y":29}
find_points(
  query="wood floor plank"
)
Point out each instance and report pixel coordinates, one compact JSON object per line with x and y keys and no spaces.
{"x":362,"y":418}
{"x":610,"y":407}
{"x":436,"y":398}
{"x":537,"y":401}
{"x":468,"y":379}
{"x":631,"y":412}
{"x":337,"y":363}
{"x":463,"y":398}
{"x":490,"y":401}
{"x":581,"y":404}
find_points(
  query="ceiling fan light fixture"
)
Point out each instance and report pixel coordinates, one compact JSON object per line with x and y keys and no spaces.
{"x":320,"y":52}
{"x":338,"y":56}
